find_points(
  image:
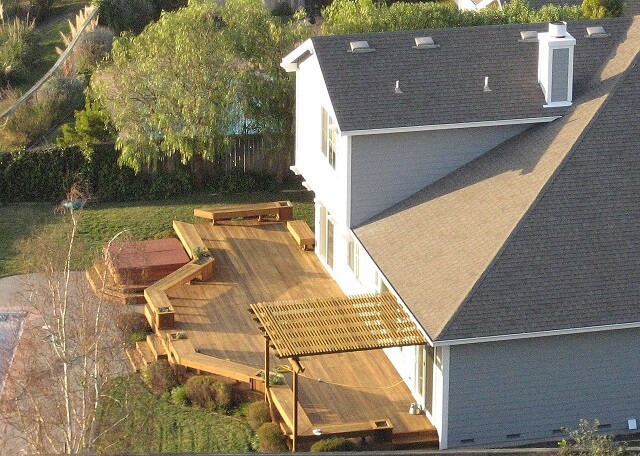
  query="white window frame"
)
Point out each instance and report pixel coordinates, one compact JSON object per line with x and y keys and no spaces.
{"x":329,"y":142}
{"x":353,"y":258}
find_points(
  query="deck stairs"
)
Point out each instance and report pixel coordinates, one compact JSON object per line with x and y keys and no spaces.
{"x":119,"y":293}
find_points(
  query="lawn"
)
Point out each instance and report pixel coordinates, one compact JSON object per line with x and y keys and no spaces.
{"x":99,"y":222}
{"x":133,"y":420}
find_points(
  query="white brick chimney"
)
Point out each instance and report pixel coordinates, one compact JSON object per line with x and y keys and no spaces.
{"x":555,"y":65}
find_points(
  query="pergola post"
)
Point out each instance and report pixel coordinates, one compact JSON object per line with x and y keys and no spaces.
{"x":266,"y":368}
{"x":295,"y":411}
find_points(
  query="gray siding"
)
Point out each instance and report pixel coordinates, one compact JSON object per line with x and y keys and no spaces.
{"x":535,"y":386}
{"x":387,"y":168}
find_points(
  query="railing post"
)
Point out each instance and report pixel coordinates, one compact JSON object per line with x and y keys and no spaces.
{"x":295,"y":411}
{"x":266,"y":368}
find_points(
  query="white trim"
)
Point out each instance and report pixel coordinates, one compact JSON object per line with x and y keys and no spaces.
{"x":289,"y":61}
{"x":348,"y":171}
{"x":557,"y":104}
{"x":488,"y":123}
{"x":307,"y":185}
{"x":531,"y":335}
{"x":444,"y":432}
{"x":295,"y":170}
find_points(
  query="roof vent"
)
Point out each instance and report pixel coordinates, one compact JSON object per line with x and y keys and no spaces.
{"x":486,"y":84}
{"x":596,"y":32}
{"x":528,"y":36}
{"x":425,"y":42}
{"x":398,"y":90}
{"x":360,"y":46}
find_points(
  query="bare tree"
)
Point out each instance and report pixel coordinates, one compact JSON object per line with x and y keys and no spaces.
{"x":68,"y":349}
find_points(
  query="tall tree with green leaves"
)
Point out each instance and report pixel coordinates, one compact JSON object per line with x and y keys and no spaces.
{"x":196,"y":76}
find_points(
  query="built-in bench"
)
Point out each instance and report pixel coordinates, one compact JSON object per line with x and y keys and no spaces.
{"x":280,"y":210}
{"x":302,"y":234}
{"x":189,"y":237}
{"x":159,"y":310}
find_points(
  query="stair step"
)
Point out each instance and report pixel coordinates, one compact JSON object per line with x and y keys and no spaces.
{"x":111,"y":283}
{"x":109,"y":292}
{"x":135,"y":359}
{"x":157,"y":347}
{"x":145,"y":353}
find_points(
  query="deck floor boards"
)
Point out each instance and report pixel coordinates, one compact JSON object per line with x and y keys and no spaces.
{"x":262,"y":262}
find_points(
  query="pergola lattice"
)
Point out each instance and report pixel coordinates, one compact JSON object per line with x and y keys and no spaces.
{"x":334,"y":325}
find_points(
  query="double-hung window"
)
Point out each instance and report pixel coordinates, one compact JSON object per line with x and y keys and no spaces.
{"x":329,"y":137}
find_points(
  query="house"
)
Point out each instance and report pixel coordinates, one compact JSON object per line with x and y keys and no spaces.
{"x":488,"y":177}
{"x":476,"y":5}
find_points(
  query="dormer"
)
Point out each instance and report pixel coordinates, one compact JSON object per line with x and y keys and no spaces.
{"x":555,"y":65}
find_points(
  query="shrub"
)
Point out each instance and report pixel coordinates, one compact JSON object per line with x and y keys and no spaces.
{"x":34,"y":119}
{"x":126,"y":15}
{"x":41,"y":9}
{"x":282,"y":9}
{"x":160,"y":377}
{"x":91,"y":126}
{"x":168,"y":5}
{"x":257,"y":414}
{"x":597,"y":9}
{"x":270,"y":439}
{"x":135,"y":336}
{"x":207,"y":392}
{"x":587,"y":441}
{"x":17,"y":48}
{"x":91,"y":49}
{"x":333,"y":444}
{"x":179,"y":395}
{"x":130,"y":322}
{"x":66,"y":93}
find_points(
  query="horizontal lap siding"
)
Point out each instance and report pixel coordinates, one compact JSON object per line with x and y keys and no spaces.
{"x":387,"y":168}
{"x":535,"y":386}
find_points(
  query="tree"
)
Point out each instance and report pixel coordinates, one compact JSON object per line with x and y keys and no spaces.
{"x":197,"y":76}
{"x":361,"y":16}
{"x":67,"y":351}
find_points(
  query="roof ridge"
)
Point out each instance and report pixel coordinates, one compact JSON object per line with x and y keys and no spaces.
{"x":594,"y":90}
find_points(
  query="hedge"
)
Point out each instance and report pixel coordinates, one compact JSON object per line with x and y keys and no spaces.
{"x":43,"y":176}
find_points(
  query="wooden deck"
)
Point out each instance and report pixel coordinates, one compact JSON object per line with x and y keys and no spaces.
{"x":257,"y":262}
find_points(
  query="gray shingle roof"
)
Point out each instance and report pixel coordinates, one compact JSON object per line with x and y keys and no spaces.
{"x":444,"y":85}
{"x":574,"y":261}
{"x":536,"y":235}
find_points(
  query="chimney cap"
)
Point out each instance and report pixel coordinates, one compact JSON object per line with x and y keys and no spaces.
{"x":558,"y":29}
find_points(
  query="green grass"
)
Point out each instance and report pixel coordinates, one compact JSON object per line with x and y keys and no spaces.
{"x":133,"y":420}
{"x":100,"y":222}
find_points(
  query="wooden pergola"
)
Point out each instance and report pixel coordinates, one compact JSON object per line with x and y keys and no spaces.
{"x":307,"y":327}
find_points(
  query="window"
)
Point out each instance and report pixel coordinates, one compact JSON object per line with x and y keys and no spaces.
{"x":353,"y":258}
{"x":330,"y":243}
{"x":326,"y":236}
{"x":329,"y":137}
